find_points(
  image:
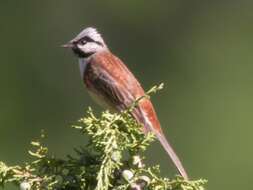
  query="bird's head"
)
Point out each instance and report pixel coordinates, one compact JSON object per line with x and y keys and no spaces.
{"x":86,"y":43}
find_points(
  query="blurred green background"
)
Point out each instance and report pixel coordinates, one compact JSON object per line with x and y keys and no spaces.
{"x":201,"y":50}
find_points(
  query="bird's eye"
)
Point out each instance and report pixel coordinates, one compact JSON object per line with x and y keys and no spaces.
{"x":83,"y":42}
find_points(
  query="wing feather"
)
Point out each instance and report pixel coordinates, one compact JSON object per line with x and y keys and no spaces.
{"x":107,"y":76}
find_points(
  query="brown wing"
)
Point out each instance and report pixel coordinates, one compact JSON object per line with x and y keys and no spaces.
{"x":108,"y":76}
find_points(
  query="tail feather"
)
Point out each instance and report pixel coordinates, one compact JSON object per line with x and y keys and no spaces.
{"x":172,"y":154}
{"x":154,"y":126}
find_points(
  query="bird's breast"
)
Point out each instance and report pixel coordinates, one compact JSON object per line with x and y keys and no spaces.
{"x":83,"y":62}
{"x":88,"y":76}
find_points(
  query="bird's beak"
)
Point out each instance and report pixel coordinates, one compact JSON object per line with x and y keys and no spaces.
{"x":68,"y":45}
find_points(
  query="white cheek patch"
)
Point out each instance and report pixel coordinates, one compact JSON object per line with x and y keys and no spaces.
{"x":90,"y":47}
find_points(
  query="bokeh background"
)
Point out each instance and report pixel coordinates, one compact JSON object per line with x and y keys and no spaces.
{"x":201,"y":50}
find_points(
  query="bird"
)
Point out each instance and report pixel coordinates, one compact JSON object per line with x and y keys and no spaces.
{"x":113,"y":86}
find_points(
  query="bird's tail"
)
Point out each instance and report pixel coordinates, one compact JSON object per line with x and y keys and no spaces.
{"x":171,"y":153}
{"x":142,"y":117}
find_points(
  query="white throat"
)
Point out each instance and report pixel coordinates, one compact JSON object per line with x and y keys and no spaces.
{"x":82,"y":65}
